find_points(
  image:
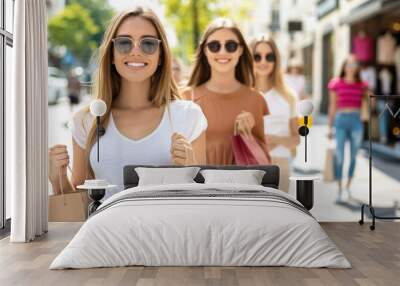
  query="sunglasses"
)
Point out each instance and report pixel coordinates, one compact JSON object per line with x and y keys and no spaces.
{"x":231,"y":46}
{"x":147,"y":45}
{"x":352,"y":65}
{"x":270,"y":57}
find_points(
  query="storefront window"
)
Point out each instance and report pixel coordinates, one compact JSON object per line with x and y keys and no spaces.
{"x":374,"y":41}
{"x":9,"y":11}
{"x":8,"y":73}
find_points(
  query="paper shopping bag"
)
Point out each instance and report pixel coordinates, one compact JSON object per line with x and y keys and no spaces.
{"x":329,"y":169}
{"x":247,"y":151}
{"x":68,"y":207}
{"x":364,"y":110}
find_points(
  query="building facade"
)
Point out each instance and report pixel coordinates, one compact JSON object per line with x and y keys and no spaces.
{"x":339,"y":25}
{"x":370,"y":29}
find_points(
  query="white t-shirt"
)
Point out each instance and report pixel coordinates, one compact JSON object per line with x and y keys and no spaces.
{"x":117,"y":150}
{"x":386,"y":49}
{"x":277,"y":122}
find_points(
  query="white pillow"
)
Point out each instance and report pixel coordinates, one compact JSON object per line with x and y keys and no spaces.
{"x":248,"y":177}
{"x":162,"y":176}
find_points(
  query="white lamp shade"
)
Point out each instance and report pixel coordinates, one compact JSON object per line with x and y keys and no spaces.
{"x":306,"y":107}
{"x":98,"y":107}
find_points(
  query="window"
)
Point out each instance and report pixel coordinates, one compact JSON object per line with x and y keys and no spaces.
{"x":6,"y":44}
{"x":9,"y":19}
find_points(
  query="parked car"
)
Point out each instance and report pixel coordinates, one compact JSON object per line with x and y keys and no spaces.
{"x":57,"y":85}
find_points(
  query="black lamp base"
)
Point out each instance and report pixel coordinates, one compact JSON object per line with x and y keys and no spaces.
{"x":305,"y":193}
{"x":95,"y":195}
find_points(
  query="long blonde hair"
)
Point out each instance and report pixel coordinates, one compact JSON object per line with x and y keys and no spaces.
{"x":277,"y":73}
{"x":201,"y":72}
{"x":107,"y":82}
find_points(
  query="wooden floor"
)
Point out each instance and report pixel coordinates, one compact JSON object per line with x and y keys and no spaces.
{"x":374,"y":255}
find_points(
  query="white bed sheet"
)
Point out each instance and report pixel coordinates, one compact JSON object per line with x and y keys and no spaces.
{"x":200,"y":231}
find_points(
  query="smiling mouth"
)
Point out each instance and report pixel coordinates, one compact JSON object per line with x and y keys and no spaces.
{"x":135,"y":65}
{"x":223,"y":61}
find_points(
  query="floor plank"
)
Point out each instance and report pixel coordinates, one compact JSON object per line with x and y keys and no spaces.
{"x":374,"y":255}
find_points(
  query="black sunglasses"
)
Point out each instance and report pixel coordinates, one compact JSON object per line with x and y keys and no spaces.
{"x":230,"y":46}
{"x":270,"y":57}
{"x":147,"y":45}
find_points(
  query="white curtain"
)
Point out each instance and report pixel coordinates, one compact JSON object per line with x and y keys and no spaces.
{"x":27,"y":144}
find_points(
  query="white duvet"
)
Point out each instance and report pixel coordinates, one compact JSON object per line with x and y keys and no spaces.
{"x":200,"y":231}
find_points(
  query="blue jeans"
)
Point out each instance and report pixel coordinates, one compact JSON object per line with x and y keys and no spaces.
{"x":348,"y":126}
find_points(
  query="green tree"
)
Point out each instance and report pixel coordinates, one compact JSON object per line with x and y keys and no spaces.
{"x":74,"y":29}
{"x":100,"y":12}
{"x":190,"y":18}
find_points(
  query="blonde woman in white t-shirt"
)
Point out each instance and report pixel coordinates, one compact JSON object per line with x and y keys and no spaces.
{"x":145,"y":122}
{"x":281,"y":125}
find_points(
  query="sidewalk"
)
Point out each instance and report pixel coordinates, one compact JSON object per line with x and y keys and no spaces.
{"x":386,"y":190}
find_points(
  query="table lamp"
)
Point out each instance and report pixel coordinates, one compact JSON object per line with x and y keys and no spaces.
{"x":98,"y":108}
{"x":305,"y":184}
{"x":306,"y":107}
{"x":97,"y":187}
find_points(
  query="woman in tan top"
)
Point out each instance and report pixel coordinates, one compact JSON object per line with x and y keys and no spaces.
{"x":221,"y":83}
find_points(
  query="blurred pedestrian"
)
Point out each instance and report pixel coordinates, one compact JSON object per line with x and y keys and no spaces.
{"x":345,"y":98}
{"x":221,"y":83}
{"x":74,"y":89}
{"x":177,"y":71}
{"x":295,"y":78}
{"x":281,"y":125}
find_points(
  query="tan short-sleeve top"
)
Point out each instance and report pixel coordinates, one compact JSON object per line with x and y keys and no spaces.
{"x":221,"y":110}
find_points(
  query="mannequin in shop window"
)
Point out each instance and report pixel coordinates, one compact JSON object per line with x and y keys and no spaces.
{"x":386,"y":78}
{"x":386,"y":48}
{"x":368,"y":75}
{"x":363,"y":47}
{"x":397,"y":63}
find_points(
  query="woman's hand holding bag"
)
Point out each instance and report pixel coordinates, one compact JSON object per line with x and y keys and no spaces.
{"x":182,"y":152}
{"x":246,"y":149}
{"x":244,"y":124}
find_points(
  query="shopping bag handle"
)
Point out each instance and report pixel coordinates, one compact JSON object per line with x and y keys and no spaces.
{"x":61,"y":184}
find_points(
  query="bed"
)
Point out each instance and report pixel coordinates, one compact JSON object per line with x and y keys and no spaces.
{"x":198,"y":224}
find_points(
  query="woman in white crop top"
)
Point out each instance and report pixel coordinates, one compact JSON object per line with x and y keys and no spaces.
{"x":145,"y":122}
{"x":281,"y":125}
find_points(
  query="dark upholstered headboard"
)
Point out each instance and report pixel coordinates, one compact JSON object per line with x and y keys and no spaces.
{"x":270,"y":179}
